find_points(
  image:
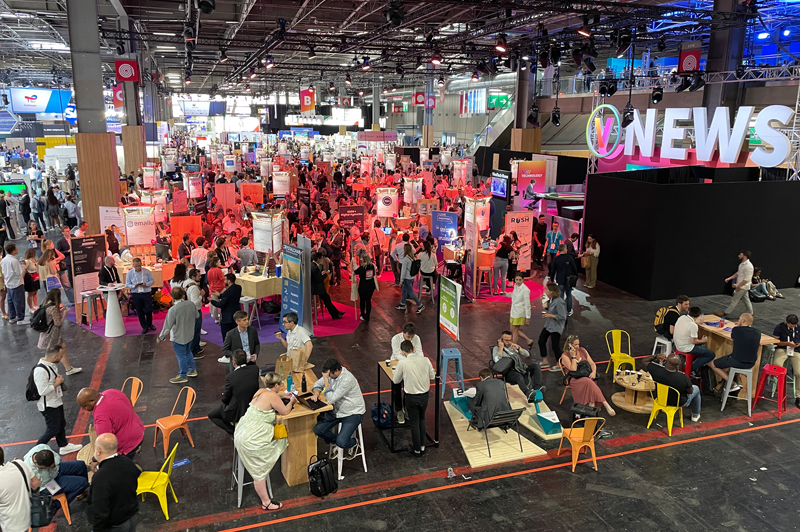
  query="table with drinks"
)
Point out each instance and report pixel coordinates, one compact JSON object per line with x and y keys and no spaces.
{"x":636,"y":398}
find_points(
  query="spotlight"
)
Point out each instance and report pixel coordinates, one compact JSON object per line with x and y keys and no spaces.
{"x":762,"y":36}
{"x":585,"y":30}
{"x":399,"y":70}
{"x":697,"y":82}
{"x":611,"y":88}
{"x":685,"y":84}
{"x":206,"y":6}
{"x":627,"y":114}
{"x":187,"y":79}
{"x":347,"y":80}
{"x":331,"y":87}
{"x":269,"y":63}
{"x":436,"y":58}
{"x":544,"y":59}
{"x":673,"y":78}
{"x":602,"y":89}
{"x":311,"y":88}
{"x":120,"y":48}
{"x":366,"y":64}
{"x":252,"y":73}
{"x":188,"y":32}
{"x":786,"y":33}
{"x":624,"y":46}
{"x":739,"y":72}
{"x":587,"y":61}
{"x":247,"y":88}
{"x":475,"y":77}
{"x":662,"y":45}
{"x":440,"y":83}
{"x":658,"y":94}
{"x":312,"y":54}
{"x":223,"y":57}
{"x":395,"y":15}
{"x":589,"y":49}
{"x":577,"y":56}
{"x":501,"y":45}
{"x":555,"y":55}
{"x":533,"y":116}
{"x":361,"y":92}
{"x":385,"y":90}
{"x":555,"y":116}
{"x":394,"y":88}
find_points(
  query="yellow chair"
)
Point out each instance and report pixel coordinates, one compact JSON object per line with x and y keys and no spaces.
{"x":614,"y":340}
{"x":582,"y":436}
{"x":660,"y":402}
{"x":136,"y":389}
{"x":158,"y":481}
{"x":176,"y":421}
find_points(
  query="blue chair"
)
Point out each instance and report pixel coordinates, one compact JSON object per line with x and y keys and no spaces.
{"x":455,"y":356}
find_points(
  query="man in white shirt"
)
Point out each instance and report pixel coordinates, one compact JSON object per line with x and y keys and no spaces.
{"x":415,"y":371}
{"x":50,"y":404}
{"x":15,"y":499}
{"x":686,"y":340}
{"x":80,"y":232}
{"x":741,"y":285}
{"x":230,"y":224}
{"x":296,"y":336}
{"x":12,"y":273}
{"x":199,"y":254}
{"x":409,"y":333}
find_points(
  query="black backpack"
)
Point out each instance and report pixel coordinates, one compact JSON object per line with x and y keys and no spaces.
{"x":415,"y":265}
{"x":39,"y":320}
{"x":31,"y":391}
{"x":321,"y":477}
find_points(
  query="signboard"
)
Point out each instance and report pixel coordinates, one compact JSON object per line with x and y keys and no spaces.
{"x":140,"y":229}
{"x":88,"y":253}
{"x":689,"y":60}
{"x":449,"y":306}
{"x":278,"y":228}
{"x":522,"y":224}
{"x":501,"y":183}
{"x":530,"y":181}
{"x":307,"y":102}
{"x":160,"y":207}
{"x":230,"y":163}
{"x":304,"y":196}
{"x":127,"y":70}
{"x":430,"y":102}
{"x":351,"y":216}
{"x":194,"y":108}
{"x":180,"y":203}
{"x":195,"y":187}
{"x":377,"y":136}
{"x":112,"y":216}
{"x":8,"y":122}
{"x":366,"y":166}
{"x":262,"y":235}
{"x":471,"y":247}
{"x":412,"y":190}
{"x":444,"y":229}
{"x":280,"y":183}
{"x":499,"y":101}
{"x":226,"y":196}
{"x":291,"y":282}
{"x":387,"y":202}
{"x":119,"y":100}
{"x":31,"y":100}
{"x":418,"y":98}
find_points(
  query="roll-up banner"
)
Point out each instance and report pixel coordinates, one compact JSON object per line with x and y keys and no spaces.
{"x":445,"y":230}
{"x":280,"y":183}
{"x":522,"y":224}
{"x":413,"y":189}
{"x":387,"y":202}
{"x":292,"y":282}
{"x":195,"y":187}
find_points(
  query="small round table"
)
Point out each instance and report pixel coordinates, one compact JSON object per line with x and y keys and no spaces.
{"x":636,"y":397}
{"x":114,"y":325}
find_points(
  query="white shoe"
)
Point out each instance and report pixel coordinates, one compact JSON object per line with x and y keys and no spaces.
{"x":26,"y":321}
{"x":570,"y":313}
{"x":401,"y":417}
{"x":70,"y":448}
{"x":224,"y":360}
{"x":202,"y":331}
{"x":695,"y":417}
{"x":203,"y":343}
{"x":215,"y":321}
{"x":74,"y":370}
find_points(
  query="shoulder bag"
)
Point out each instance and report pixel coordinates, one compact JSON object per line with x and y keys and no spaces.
{"x":41,"y":503}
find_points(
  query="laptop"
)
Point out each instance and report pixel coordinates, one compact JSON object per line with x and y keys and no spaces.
{"x":306,"y":399}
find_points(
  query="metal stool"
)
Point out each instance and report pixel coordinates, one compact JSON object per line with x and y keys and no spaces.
{"x":481,"y":273}
{"x":779,"y":372}
{"x":237,"y":478}
{"x":252,"y":313}
{"x":455,"y":356}
{"x":318,"y":307}
{"x":340,"y":452}
{"x":731,"y":374}
{"x":91,"y":298}
{"x":660,"y":343}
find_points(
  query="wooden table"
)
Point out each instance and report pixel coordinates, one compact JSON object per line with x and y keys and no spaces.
{"x":636,"y":397}
{"x":451,"y":192}
{"x":258,"y":286}
{"x":719,"y":341}
{"x":387,"y":369}
{"x":450,"y":252}
{"x":302,"y":441}
{"x":485,"y":258}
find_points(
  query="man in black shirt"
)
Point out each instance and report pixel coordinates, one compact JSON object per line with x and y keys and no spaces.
{"x":113,"y":504}
{"x":673,"y":313}
{"x":539,"y":237}
{"x":668,"y":374}
{"x":562,"y":267}
{"x":746,"y":342}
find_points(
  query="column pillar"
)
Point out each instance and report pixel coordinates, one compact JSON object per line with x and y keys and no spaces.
{"x":376,"y":108}
{"x":725,"y":51}
{"x":523,"y":136}
{"x":427,"y":114}
{"x":96,"y":148}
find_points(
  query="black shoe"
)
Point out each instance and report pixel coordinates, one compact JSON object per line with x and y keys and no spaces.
{"x":151,"y":327}
{"x":412,"y":452}
{"x":338,"y":316}
{"x":797,"y":402}
{"x":144,"y":331}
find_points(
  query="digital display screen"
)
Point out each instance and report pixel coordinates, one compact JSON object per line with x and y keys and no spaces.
{"x":500,"y":186}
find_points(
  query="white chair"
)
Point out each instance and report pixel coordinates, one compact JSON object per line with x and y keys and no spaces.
{"x":660,"y":343}
{"x":361,"y":453}
{"x":237,"y":478}
{"x":252,"y":313}
{"x":747,"y":373}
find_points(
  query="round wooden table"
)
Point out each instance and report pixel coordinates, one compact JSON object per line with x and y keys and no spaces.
{"x":636,"y":397}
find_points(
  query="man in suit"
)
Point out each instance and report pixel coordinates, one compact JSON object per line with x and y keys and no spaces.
{"x":113,"y":503}
{"x":228,"y":304}
{"x":562,"y":267}
{"x":109,"y":273}
{"x":241,"y":385}
{"x":242,"y":337}
{"x":490,"y":398}
{"x":318,"y":286}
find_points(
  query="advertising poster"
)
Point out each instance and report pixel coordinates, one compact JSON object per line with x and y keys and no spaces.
{"x":391,"y":162}
{"x":265,"y":167}
{"x":445,"y":230}
{"x":425,"y":207}
{"x":471,"y":247}
{"x":306,"y":103}
{"x":427,"y":178}
{"x":230,"y":163}
{"x":280,"y":183}
{"x":262,"y":235}
{"x":195,"y":187}
{"x":412,"y":190}
{"x":87,"y":260}
{"x":450,"y":303}
{"x":522,"y":224}
{"x":387,"y":202}
{"x":160,"y":207}
{"x":140,"y":229}
{"x":351,"y":216}
{"x":149,"y":178}
{"x":458,"y":174}
{"x":482,"y":214}
{"x":291,"y":282}
{"x":366,"y":166}
{"x":111,"y":216}
{"x":226,"y":195}
{"x":181,"y":225}
{"x":277,"y":232}
{"x":180,"y":203}
{"x":530,"y":181}
{"x":254,"y":191}
{"x":304,"y":196}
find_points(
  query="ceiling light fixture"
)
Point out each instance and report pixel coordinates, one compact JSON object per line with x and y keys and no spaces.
{"x":331,"y":87}
{"x":627,"y":114}
{"x":657,"y":96}
{"x":252,"y":73}
{"x":555,"y":116}
{"x":502,"y":44}
{"x":312,"y":54}
{"x":475,"y":77}
{"x":223,"y":57}
{"x":585,"y":30}
{"x":394,"y":88}
{"x":436,"y":58}
{"x":361,"y":92}
{"x":347,"y":80}
{"x":366,"y":65}
{"x":440,"y":83}
{"x":269,"y":62}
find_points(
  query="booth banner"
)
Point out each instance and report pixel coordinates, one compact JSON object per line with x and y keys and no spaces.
{"x":149,"y":178}
{"x":471,"y":247}
{"x":522,"y":224}
{"x":111,"y":216}
{"x":307,"y":102}
{"x":413,"y":189}
{"x":292,"y":282}
{"x":483,"y":213}
{"x":391,"y":162}
{"x":226,"y":196}
{"x":140,"y":229}
{"x":351,"y":216}
{"x":230,"y":163}
{"x":282,"y":148}
{"x":160,"y":207}
{"x":424,"y":156}
{"x":458,"y":174}
{"x":262,"y":235}
{"x":195,"y":187}
{"x":277,"y":232}
{"x":531,"y":177}
{"x":366,"y":166}
{"x":425,"y":207}
{"x":280,"y":183}
{"x":444,"y":230}
{"x":450,"y":304}
{"x":304,"y":196}
{"x":379,"y":156}
{"x":427,"y":178}
{"x":387,"y":202}
{"x":254,"y":191}
{"x":87,"y":254}
{"x":180,"y":225}
{"x":265,"y":167}
{"x":446,"y":158}
{"x":180,"y":203}
{"x":168,"y":164}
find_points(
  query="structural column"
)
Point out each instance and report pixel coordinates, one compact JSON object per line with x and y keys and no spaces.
{"x":376,"y":108}
{"x":96,"y":148}
{"x":523,"y":137}
{"x":427,"y":116}
{"x":725,"y":51}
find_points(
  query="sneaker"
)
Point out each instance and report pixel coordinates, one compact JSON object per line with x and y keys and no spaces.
{"x":24,"y":322}
{"x":555,"y":369}
{"x":735,"y":388}
{"x":216,"y":321}
{"x":224,"y":360}
{"x":401,"y":417}
{"x":545,"y":366}
{"x":15,"y":320}
{"x":203,"y":343}
{"x":362,"y":318}
{"x":203,"y":331}
{"x":178,"y":380}
{"x":694,"y":375}
{"x":352,"y":452}
{"x":74,"y":370}
{"x":192,"y":374}
{"x":198,"y":355}
{"x":412,"y":452}
{"x":420,"y":309}
{"x":70,"y":448}
{"x":695,"y":417}
{"x":398,"y":307}
{"x":570,"y":313}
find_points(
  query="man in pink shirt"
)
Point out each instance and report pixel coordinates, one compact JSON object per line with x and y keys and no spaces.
{"x":113,"y":412}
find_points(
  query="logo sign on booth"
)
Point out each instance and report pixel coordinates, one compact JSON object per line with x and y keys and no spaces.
{"x":530,"y":180}
{"x":387,"y":202}
{"x":127,"y":70}
{"x":430,"y":102}
{"x":351,"y":216}
{"x":418,"y":98}
{"x":195,"y":187}
{"x":140,"y":229}
{"x":119,"y":100}
{"x":31,"y":100}
{"x":522,"y":223}
{"x":689,"y":60}
{"x":450,"y":304}
{"x":280,"y":183}
{"x":307,"y":102}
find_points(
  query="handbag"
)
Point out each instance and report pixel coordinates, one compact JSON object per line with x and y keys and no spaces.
{"x":572,"y":280}
{"x":586,"y":261}
{"x":41,"y":504}
{"x":52,"y":282}
{"x":280,"y":432}
{"x":579,"y":410}
{"x":503,"y":365}
{"x":583,"y":370}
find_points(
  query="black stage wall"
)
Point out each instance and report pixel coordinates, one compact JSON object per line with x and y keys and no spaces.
{"x":658,"y":241}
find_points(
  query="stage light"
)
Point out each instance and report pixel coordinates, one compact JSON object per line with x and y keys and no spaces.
{"x":187,"y":79}
{"x":602,"y":89}
{"x":247,"y":88}
{"x":555,"y":116}
{"x":685,"y":84}
{"x":612,"y":88}
{"x":347,"y":80}
{"x":627,"y":115}
{"x":739,"y":72}
{"x":399,"y":70}
{"x":589,"y":49}
{"x":436,"y":58}
{"x":697,"y":82}
{"x":331,"y":87}
{"x":395,"y":15}
{"x":366,"y":64}
{"x":252,"y":73}
{"x":658,"y":95}
{"x":223,"y":57}
{"x":120,"y":48}
{"x":577,"y":56}
{"x":206,"y":6}
{"x":312,"y":54}
{"x":270,"y":62}
{"x":555,"y":55}
{"x":544,"y":59}
{"x":763,"y":35}
{"x":585,"y":30}
{"x":394,"y":88}
{"x":440,"y":83}
{"x":475,"y":77}
{"x":533,"y":116}
{"x":385,"y":90}
{"x":587,"y":61}
{"x":501,"y":45}
{"x":311,"y":88}
{"x":361,"y":92}
{"x":786,"y":33}
{"x":624,"y":46}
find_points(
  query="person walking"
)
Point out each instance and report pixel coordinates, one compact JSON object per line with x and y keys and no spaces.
{"x":561,"y":269}
{"x":500,"y":266}
{"x":428,"y":267}
{"x":139,"y":282}
{"x":742,"y":280}
{"x":407,"y":280}
{"x":52,"y":338}
{"x":555,"y":316}
{"x":180,"y":326}
{"x":520,"y":311}
{"x":49,"y":387}
{"x":30,"y":278}
{"x":589,"y":258}
{"x":415,"y":371}
{"x":367,"y":284}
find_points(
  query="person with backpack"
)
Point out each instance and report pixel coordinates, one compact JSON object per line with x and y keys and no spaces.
{"x":47,"y":321}
{"x":46,"y":387}
{"x":409,"y":268}
{"x":667,"y":317}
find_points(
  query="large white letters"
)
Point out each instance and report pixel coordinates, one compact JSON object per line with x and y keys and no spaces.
{"x":644,"y":135}
{"x":730,"y":142}
{"x":672,"y":133}
{"x":781,"y":147}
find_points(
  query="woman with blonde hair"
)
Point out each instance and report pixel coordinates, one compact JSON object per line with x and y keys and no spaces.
{"x":592,"y":255}
{"x":31,"y":278}
{"x":575,"y":362}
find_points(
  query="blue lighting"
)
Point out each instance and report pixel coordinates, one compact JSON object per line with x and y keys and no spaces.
{"x":763,"y":35}
{"x":786,"y":33}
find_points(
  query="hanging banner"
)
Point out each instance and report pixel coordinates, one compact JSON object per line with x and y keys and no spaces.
{"x":262,"y":235}
{"x":140,"y":229}
{"x":391,"y":162}
{"x":689,"y":60}
{"x":522,"y":224}
{"x":280,"y":183}
{"x":366,"y":166}
{"x":471,"y":247}
{"x":307,"y":102}
{"x":180,"y":203}
{"x":226,"y":196}
{"x":413,"y":189}
{"x":292,"y":282}
{"x":450,"y":304}
{"x":278,"y":224}
{"x":427,"y":178}
{"x":351,"y":216}
{"x":444,"y":230}
{"x":230,"y":163}
{"x":195,"y":187}
{"x":387,"y":202}
{"x":127,"y":70}
{"x":530,"y":182}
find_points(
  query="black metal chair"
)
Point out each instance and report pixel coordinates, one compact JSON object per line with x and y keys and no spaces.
{"x":502,"y":420}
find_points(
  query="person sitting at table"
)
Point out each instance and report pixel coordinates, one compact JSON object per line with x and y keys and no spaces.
{"x":667,"y":327}
{"x":746,"y":343}
{"x":254,"y":437}
{"x":186,"y":246}
{"x":240,"y":386}
{"x":788,"y":334}
{"x":528,"y":376}
{"x":228,"y":304}
{"x":247,"y":257}
{"x":584,"y":388}
{"x":490,"y":398}
{"x":341,"y":390}
{"x":138,"y":283}
{"x":108,"y":274}
{"x":415,"y":371}
{"x":686,"y":340}
{"x":70,"y":475}
{"x":244,"y":337}
{"x":669,"y":375}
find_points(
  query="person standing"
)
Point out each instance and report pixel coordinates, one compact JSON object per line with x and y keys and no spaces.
{"x":318,"y":286}
{"x":139,"y":282}
{"x":396,"y":255}
{"x":378,"y":239}
{"x":415,"y":371}
{"x":500,"y":266}
{"x":113,"y":504}
{"x":64,"y":246}
{"x":407,"y":280}
{"x":367,"y":285}
{"x":240,"y":386}
{"x":520,"y":310}
{"x":561,"y":269}
{"x":52,"y":337}
{"x":228,"y":304}
{"x":555,"y":318}
{"x":553,"y":240}
{"x":243,"y":337}
{"x":180,"y":326}
{"x":16,"y":483}
{"x":741,"y":285}
{"x":216,"y":284}
{"x":191,"y":286}
{"x":592,"y":253}
{"x":428,"y":265}
{"x":113,"y":413}
{"x":12,"y":273}
{"x":50,"y":404}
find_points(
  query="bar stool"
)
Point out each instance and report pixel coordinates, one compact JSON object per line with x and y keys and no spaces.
{"x":779,"y":373}
{"x":687,"y":367}
{"x":482,"y":272}
{"x":252,"y":313}
{"x":318,"y":307}
{"x":340,"y":452}
{"x":455,"y":356}
{"x":731,"y":373}
{"x":660,"y":343}
{"x":237,"y":478}
{"x":91,"y":298}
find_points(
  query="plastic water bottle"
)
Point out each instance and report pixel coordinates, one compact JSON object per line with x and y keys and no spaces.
{"x":289,"y":383}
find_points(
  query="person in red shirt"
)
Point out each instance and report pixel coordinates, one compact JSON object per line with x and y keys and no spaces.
{"x":113,"y":412}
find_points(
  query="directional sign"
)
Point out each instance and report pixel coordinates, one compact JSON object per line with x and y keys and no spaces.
{"x":8,"y":122}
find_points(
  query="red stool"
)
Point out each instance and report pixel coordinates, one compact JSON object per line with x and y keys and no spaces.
{"x":778,"y":372}
{"x":687,"y":369}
